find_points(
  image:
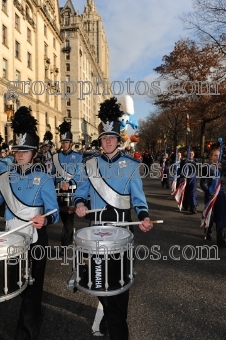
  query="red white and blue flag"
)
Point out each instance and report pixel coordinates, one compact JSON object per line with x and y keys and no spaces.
{"x":179,"y":193}
{"x":209,"y":207}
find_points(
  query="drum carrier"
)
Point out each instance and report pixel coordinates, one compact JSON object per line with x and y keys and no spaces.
{"x":65,"y":198}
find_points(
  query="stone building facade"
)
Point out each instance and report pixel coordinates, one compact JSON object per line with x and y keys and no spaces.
{"x":30,"y":53}
{"x":84,"y":69}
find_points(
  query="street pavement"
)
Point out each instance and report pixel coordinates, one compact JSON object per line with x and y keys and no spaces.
{"x":176,"y":294}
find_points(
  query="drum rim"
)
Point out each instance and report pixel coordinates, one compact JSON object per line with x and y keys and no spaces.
{"x":9,"y":296}
{"x":105,"y":293}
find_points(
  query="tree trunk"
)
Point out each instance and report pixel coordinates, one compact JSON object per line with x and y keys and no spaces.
{"x":202,"y":138}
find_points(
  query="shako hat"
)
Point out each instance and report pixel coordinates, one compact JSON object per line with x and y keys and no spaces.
{"x":65,"y":132}
{"x":24,"y":126}
{"x":4,"y":147}
{"x":47,"y":139}
{"x":109,"y":115}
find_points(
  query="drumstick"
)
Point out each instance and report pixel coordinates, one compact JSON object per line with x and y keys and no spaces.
{"x":94,"y":210}
{"x":133,"y":223}
{"x":71,"y":210}
{"x":26,"y":224}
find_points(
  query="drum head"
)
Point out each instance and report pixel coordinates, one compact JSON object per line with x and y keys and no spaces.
{"x":16,"y":243}
{"x":111,"y":237}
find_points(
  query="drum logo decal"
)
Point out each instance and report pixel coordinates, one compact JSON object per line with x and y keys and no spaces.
{"x":98,"y":261}
{"x":98,"y":273}
{"x":103,"y":233}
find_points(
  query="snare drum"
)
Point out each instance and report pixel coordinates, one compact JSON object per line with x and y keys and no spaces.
{"x":14,"y":271}
{"x":103,"y":264}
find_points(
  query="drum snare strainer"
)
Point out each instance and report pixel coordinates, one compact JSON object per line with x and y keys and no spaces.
{"x":104,"y":260}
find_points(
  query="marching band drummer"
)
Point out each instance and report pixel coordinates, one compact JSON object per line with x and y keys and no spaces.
{"x":47,"y":156}
{"x":28,"y":193}
{"x":118,"y":183}
{"x":66,"y":167}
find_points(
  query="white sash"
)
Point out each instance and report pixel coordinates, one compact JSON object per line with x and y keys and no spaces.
{"x":20,"y":210}
{"x":63,"y":173}
{"x":110,"y":196}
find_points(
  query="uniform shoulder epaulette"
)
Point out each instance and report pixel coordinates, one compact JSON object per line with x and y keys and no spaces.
{"x":77,"y":153}
{"x":126,"y":155}
{"x":39,"y":167}
{"x":86,"y":157}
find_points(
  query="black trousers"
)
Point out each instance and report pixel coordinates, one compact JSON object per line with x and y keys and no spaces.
{"x":30,"y":311}
{"x":115,"y":310}
{"x":68,"y":225}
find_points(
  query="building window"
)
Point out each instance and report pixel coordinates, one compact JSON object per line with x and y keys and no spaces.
{"x":17,"y":105}
{"x":46,"y":72}
{"x":17,"y":78}
{"x":17,"y":75}
{"x":68,"y":89}
{"x":46,"y":118}
{"x":4,"y":6}
{"x":56,"y":101}
{"x":4,"y":35}
{"x":54,"y":43}
{"x":54,"y":60}
{"x":68,"y":103}
{"x":67,"y":43}
{"x":67,"y":78}
{"x":45,"y":49}
{"x":28,"y":35}
{"x":17,"y":49}
{"x":5,"y":102}
{"x":68,"y":113}
{"x":47,"y":96}
{"x":29,"y":87}
{"x":67,"y":67}
{"x":4,"y":68}
{"x":28,"y":59}
{"x":67,"y":33}
{"x":45,"y":30}
{"x":67,"y":20}
{"x":67,"y":56}
{"x":27,"y":11}
{"x":17,"y":22}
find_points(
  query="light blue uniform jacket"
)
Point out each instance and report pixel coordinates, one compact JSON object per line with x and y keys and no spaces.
{"x":32,"y":188}
{"x":121,"y":173}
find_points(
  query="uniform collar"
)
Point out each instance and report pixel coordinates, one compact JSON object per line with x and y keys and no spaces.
{"x":111,"y":160}
{"x":67,"y":153}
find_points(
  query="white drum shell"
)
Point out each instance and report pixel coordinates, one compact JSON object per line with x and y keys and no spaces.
{"x":114,"y":238}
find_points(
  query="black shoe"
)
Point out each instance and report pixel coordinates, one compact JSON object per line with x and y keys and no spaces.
{"x":208,"y":233}
{"x":103,"y":327}
{"x":193,"y":210}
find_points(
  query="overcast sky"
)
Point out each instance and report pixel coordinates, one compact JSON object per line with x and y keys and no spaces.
{"x":139,"y":34}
